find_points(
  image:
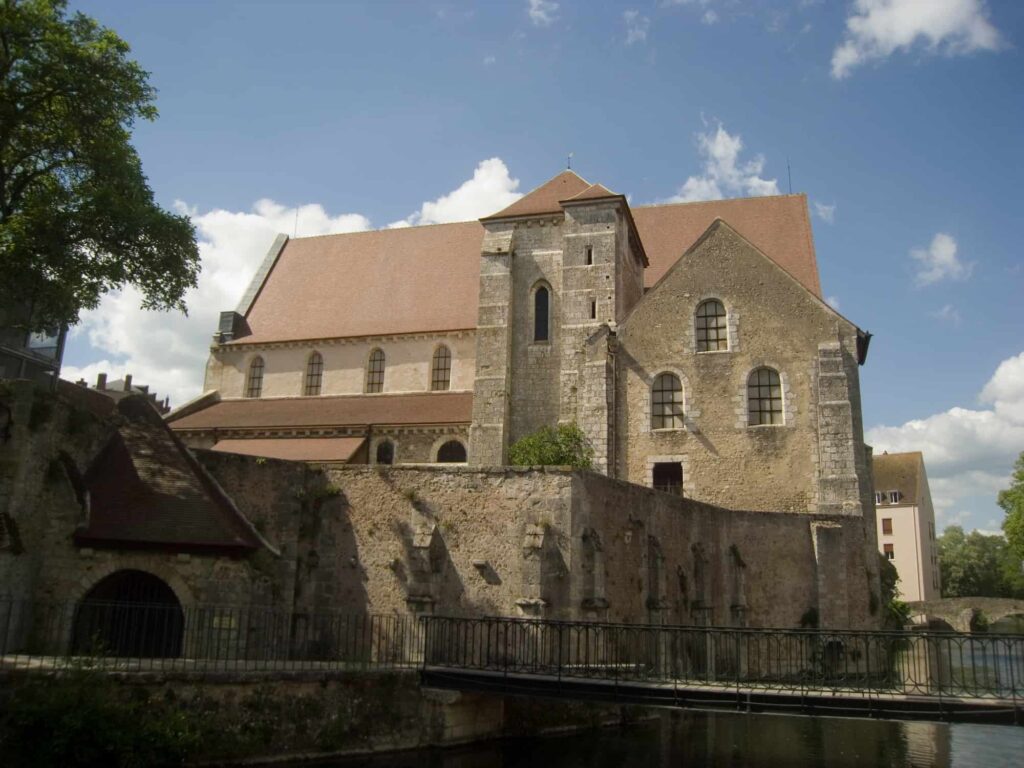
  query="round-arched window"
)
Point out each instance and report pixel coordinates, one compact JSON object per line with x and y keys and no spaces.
{"x":452,"y":452}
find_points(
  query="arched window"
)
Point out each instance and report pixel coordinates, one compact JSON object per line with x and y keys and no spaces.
{"x":541,"y":314}
{"x":441,"y":369}
{"x":314,"y":373}
{"x":375,"y":371}
{"x":764,"y":397}
{"x":712,"y":330}
{"x":452,"y":452}
{"x":254,"y":381}
{"x":667,"y":402}
{"x":385,"y":452}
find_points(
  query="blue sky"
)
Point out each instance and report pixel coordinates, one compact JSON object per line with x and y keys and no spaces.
{"x":901,"y":120}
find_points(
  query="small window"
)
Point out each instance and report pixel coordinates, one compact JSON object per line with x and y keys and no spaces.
{"x":590,"y":254}
{"x":314,"y":374}
{"x":375,"y":372}
{"x":887,"y":525}
{"x":879,"y":497}
{"x":894,"y":497}
{"x":593,"y":309}
{"x":441,"y":369}
{"x":254,"y":382}
{"x":668,"y":477}
{"x":541,"y":314}
{"x":712,"y":332}
{"x":931,"y":531}
{"x":764,"y":397}
{"x":385,"y":452}
{"x":452,"y":452}
{"x":667,"y":402}
{"x":889,"y":553}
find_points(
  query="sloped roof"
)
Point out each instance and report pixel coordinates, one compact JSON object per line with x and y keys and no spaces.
{"x":340,"y":410}
{"x":779,"y":226}
{"x":546,"y":198}
{"x":147,"y":491}
{"x":388,"y":281}
{"x":593,"y":192}
{"x":327,"y":449}
{"x":898,"y":472}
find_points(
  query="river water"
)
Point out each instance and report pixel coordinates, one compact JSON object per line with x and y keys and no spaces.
{"x":742,"y":741}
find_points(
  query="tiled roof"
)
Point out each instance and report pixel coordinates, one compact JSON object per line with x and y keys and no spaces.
{"x":898,"y":472}
{"x":341,"y":410}
{"x":147,"y":491}
{"x":593,"y":192}
{"x":327,"y":449}
{"x":546,"y":198}
{"x":779,"y":226}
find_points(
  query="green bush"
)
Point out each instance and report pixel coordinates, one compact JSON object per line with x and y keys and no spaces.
{"x":565,"y":446}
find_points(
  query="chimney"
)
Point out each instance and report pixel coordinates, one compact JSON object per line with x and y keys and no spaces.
{"x":82,"y":383}
{"x":127,"y":382}
{"x":101,"y":381}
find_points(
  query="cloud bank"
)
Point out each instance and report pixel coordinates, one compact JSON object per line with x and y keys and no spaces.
{"x":725,"y":173}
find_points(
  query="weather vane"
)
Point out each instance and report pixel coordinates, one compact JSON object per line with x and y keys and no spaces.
{"x":569,"y":162}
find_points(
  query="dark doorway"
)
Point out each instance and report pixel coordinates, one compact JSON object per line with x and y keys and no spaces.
{"x":668,"y":477}
{"x":386,"y":452}
{"x":129,"y":613}
{"x":452,"y":452}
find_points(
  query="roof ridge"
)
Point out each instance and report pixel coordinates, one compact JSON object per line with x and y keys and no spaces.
{"x":385,"y":229}
{"x":719,"y":200}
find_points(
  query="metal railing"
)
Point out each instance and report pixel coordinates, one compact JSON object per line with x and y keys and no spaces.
{"x":207,"y":638}
{"x":775,"y":660}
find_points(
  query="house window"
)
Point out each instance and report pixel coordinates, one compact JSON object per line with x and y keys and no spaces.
{"x":887,"y":525}
{"x":667,"y":402}
{"x":590,"y":254}
{"x":712,"y":332}
{"x":314,"y":373}
{"x":375,"y":372}
{"x":541,"y":314}
{"x":668,"y":477}
{"x":441,"y":369}
{"x":894,"y":497}
{"x":254,"y":382}
{"x":889,"y":553}
{"x":452,"y":452}
{"x":764,"y":397}
{"x":385,"y":452}
{"x":879,"y":496}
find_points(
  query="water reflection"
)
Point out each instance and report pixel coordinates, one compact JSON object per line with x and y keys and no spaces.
{"x":743,"y":741}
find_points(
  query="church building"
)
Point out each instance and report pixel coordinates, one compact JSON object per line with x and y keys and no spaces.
{"x":690,"y":343}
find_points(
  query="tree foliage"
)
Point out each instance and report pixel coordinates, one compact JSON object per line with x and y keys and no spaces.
{"x":975,"y":565}
{"x":77,"y":217}
{"x":565,"y":446}
{"x":1012,"y":502}
{"x":897,"y":613}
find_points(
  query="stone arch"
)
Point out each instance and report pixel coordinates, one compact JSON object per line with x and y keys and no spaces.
{"x":447,"y":450}
{"x":168,"y":574}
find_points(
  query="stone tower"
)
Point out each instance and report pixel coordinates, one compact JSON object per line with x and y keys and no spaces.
{"x":559,"y":269}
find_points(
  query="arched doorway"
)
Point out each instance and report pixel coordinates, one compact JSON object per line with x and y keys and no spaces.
{"x":129,"y":613}
{"x":452,"y":452}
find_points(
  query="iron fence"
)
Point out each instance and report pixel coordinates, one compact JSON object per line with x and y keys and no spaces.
{"x":143,"y":636}
{"x":812,"y":661}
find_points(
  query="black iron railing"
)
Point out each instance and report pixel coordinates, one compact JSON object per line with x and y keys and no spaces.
{"x":857,"y":663}
{"x":142,"y":636}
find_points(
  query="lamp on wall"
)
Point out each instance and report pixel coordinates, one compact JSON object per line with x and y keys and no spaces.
{"x":6,"y":420}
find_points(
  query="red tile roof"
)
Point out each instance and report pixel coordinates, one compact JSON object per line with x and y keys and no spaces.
{"x":593,"y":192}
{"x":545,"y":198}
{"x":326,"y":449}
{"x":341,"y":410}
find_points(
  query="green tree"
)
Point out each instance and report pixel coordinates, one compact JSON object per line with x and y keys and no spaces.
{"x":976,"y":565}
{"x":565,"y":446}
{"x":1012,"y":502}
{"x":77,"y":217}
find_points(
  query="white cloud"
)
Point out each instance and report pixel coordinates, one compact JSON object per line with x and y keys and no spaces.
{"x":488,"y":60}
{"x":542,"y":12}
{"x":490,"y":190}
{"x":968,"y":452}
{"x":833,"y":301}
{"x":709,"y":17}
{"x":826,"y":213}
{"x":948,"y":313}
{"x":725,"y":175}
{"x":939,"y":261}
{"x":168,"y":351}
{"x":876,"y":29}
{"x":636,"y":27}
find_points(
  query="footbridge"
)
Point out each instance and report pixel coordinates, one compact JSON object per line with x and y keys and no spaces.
{"x":897,"y":675}
{"x":967,"y":614}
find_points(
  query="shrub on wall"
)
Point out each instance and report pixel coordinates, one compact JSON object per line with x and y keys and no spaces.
{"x":564,"y":446}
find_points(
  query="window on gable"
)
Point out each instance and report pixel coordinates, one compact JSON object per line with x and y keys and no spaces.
{"x":314,"y":374}
{"x":668,"y":477}
{"x":887,"y":525}
{"x":541,"y":314}
{"x":441,"y":369}
{"x":254,"y":381}
{"x":890,"y":554}
{"x":764,"y":397}
{"x":385,"y":452}
{"x":452,"y":452}
{"x":375,"y":372}
{"x":894,"y":497}
{"x":879,"y":496}
{"x":712,"y":331}
{"x":667,"y":402}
